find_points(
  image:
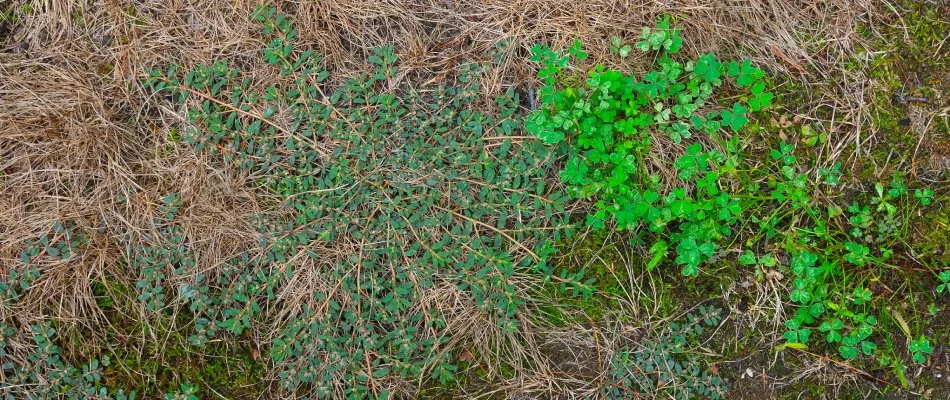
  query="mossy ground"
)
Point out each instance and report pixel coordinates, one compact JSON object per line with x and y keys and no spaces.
{"x":599,"y":255}
{"x":153,"y":356}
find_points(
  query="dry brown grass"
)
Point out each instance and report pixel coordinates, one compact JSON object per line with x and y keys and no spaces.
{"x":78,"y":132}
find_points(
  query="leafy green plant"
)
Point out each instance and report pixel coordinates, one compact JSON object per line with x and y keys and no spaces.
{"x":606,"y":125}
{"x":663,"y":37}
{"x":45,"y":374}
{"x":944,"y":285}
{"x":35,"y":368}
{"x":161,"y":257}
{"x":414,"y":189}
{"x":924,"y":195}
{"x":186,"y":391}
{"x":61,"y":244}
{"x":918,"y":347}
{"x":824,"y":240}
{"x":663,"y":366}
{"x":17,"y":282}
{"x":619,"y":48}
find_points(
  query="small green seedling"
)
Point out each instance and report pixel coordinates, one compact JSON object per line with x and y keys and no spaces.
{"x":944,"y":277}
{"x":619,"y":48}
{"x":919,"y":347}
{"x":925,"y":196}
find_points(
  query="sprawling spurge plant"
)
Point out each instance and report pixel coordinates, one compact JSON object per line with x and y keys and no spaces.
{"x":46,"y":375}
{"x":61,"y":244}
{"x":159,"y":257}
{"x":607,"y":123}
{"x":39,"y":371}
{"x":414,"y":190}
{"x":663,"y":367}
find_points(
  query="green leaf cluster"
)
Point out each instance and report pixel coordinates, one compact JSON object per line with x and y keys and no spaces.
{"x":393,"y":192}
{"x":45,"y":374}
{"x":663,"y":366}
{"x":829,"y":248}
{"x":607,"y":124}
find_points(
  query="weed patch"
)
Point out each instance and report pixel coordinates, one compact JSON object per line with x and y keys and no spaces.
{"x":408,"y":191}
{"x":714,"y":201}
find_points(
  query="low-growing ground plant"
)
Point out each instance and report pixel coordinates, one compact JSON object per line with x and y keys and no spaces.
{"x":663,"y":367}
{"x":37,"y":368}
{"x":394,"y":218}
{"x":713,"y":202}
{"x":607,"y":122}
{"x":392,"y":192}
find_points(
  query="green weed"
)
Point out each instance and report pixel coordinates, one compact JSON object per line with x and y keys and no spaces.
{"x":721,"y":197}
{"x":606,"y":125}
{"x":417,"y":188}
{"x":662,"y":367}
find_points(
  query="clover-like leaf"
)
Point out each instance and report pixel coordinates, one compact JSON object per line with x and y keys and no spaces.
{"x":736,"y":118}
{"x":745,"y":74}
{"x":760,"y":98}
{"x":848,"y":352}
{"x":861,"y":295}
{"x":919,"y":347}
{"x":709,"y":69}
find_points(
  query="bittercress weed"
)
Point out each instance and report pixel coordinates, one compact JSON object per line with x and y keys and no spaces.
{"x":707,"y":206}
{"x":608,"y":124}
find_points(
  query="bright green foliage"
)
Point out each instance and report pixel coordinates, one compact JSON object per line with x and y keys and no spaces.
{"x":944,"y":285}
{"x":831,"y":175}
{"x":811,"y":138}
{"x":861,"y":296}
{"x":823,"y":242}
{"x":662,"y":367}
{"x":736,"y":118}
{"x":607,"y":124}
{"x":832,"y":329}
{"x":919,"y":347}
{"x":932,"y":309}
{"x":663,"y":37}
{"x":796,"y":333}
{"x":187,"y":391}
{"x":745,"y":74}
{"x":760,"y":98}
{"x":415,"y":189}
{"x":925,"y":196}
{"x":619,"y":48}
{"x":390,"y":193}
